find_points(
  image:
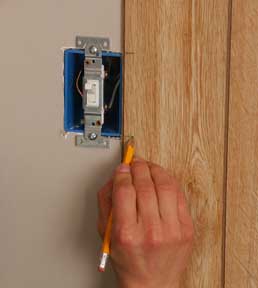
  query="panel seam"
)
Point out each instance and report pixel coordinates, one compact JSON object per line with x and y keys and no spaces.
{"x":123,"y":32}
{"x":226,"y":141}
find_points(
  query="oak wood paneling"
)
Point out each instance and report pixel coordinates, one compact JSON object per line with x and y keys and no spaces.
{"x":242,"y":192}
{"x":175,"y":104}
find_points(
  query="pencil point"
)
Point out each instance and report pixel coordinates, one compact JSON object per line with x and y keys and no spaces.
{"x":131,"y":141}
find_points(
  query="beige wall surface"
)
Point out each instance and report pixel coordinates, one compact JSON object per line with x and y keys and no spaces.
{"x":48,"y":186}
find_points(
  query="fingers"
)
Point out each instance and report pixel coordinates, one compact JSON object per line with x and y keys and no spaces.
{"x":167,"y":190}
{"x":144,"y":192}
{"x":123,"y":197}
{"x":147,"y":205}
{"x":104,"y":204}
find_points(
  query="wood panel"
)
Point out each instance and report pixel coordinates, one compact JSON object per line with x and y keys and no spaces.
{"x":242,"y":194}
{"x":175,"y":96}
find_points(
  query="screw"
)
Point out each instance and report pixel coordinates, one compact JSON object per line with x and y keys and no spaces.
{"x":93,"y":50}
{"x":92,"y":136}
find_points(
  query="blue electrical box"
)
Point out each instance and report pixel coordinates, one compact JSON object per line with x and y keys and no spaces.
{"x":73,"y":101}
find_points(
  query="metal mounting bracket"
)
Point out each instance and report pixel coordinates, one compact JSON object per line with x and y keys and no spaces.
{"x":93,"y":91}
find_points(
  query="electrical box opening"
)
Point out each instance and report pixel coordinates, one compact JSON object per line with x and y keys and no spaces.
{"x":73,"y":92}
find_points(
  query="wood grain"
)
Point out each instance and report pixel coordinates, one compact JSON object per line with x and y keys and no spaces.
{"x":242,"y":194}
{"x":175,"y":96}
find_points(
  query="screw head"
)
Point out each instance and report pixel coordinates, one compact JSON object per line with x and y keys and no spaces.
{"x":92,"y":136}
{"x":93,"y":50}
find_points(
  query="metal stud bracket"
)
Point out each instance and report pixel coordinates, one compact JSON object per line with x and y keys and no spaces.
{"x":93,"y":91}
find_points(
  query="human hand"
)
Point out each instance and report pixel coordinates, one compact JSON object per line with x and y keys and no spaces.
{"x":152,"y":231}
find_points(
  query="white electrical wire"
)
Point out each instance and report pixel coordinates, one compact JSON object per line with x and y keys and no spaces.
{"x":111,"y":103}
{"x":77,"y":84}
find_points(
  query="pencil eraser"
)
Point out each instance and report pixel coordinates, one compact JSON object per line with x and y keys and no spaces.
{"x":102,"y":270}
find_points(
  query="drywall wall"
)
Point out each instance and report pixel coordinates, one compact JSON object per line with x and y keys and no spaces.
{"x":47,"y":185}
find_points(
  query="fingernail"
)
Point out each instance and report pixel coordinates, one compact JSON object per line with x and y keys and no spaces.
{"x":123,"y":168}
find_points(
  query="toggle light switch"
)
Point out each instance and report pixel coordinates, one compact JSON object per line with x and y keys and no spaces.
{"x":93,"y":92}
{"x":92,"y":88}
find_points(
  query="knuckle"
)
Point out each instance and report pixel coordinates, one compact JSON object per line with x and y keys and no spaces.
{"x":139,"y":164}
{"x":159,"y":171}
{"x":165,"y":188}
{"x":176,"y":236}
{"x":144,"y":187}
{"x":156,"y":167}
{"x":124,"y":237}
{"x":154,"y":238}
{"x":123,"y":187}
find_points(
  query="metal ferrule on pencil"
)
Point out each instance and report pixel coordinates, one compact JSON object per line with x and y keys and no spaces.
{"x":103,"y":262}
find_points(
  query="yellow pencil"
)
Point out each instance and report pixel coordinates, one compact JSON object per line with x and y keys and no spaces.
{"x":105,"y":252}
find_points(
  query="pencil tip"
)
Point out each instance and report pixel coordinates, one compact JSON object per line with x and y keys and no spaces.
{"x":131,"y":141}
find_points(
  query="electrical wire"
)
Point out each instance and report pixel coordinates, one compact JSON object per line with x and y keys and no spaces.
{"x":112,"y":100}
{"x":77,"y":84}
